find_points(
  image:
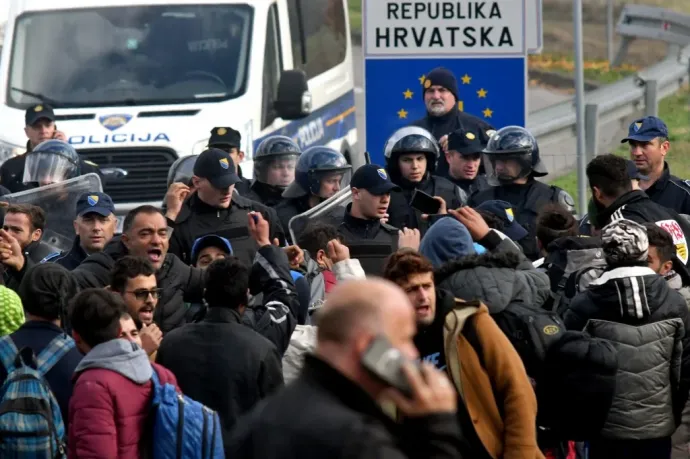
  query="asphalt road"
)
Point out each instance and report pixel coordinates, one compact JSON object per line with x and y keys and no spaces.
{"x":538,"y":98}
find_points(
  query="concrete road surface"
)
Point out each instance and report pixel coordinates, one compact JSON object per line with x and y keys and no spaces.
{"x":538,"y":98}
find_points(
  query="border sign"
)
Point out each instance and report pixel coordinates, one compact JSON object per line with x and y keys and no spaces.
{"x":483,"y":43}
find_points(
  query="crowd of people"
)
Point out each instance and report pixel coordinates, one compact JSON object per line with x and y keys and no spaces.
{"x":261,"y":319}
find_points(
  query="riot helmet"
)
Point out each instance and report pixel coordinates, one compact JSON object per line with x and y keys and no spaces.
{"x":52,"y":161}
{"x":182,"y":170}
{"x":512,"y":153}
{"x":411,"y":139}
{"x":313,"y":166}
{"x":275,"y":160}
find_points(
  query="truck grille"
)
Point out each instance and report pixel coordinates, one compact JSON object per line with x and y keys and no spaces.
{"x":147,"y":172}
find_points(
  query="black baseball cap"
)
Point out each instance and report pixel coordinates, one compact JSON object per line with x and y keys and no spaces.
{"x":466,"y":142}
{"x":504,"y":211}
{"x":37,"y":112}
{"x":217,"y":167}
{"x":97,"y":202}
{"x":225,"y":136}
{"x":646,"y":129}
{"x":633,"y":173}
{"x":374,"y":179}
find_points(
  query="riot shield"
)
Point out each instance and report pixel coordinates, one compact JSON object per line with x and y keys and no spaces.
{"x":331,"y":211}
{"x":58,"y":201}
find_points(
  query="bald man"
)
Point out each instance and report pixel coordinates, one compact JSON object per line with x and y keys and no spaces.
{"x":331,"y":410}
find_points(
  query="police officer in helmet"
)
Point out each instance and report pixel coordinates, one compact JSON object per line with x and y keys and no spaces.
{"x":229,"y":140}
{"x":320,"y":173}
{"x":214,"y":208}
{"x":512,"y":162}
{"x":274,"y":169}
{"x":411,"y":154}
{"x":52,"y":161}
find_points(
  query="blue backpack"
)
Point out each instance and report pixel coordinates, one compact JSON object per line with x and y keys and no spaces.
{"x":30,"y":419}
{"x":183,"y":428}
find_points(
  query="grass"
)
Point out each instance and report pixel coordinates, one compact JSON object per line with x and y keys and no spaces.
{"x":595,"y":70}
{"x":355,"y":10}
{"x":674,"y":111}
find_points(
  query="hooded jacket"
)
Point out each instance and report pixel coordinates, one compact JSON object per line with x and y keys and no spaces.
{"x":647,"y":322}
{"x":110,"y":405}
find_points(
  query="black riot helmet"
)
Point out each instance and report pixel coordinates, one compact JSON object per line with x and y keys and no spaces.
{"x":315,"y":164}
{"x":51,"y":161}
{"x":182,"y":170}
{"x":411,"y":139}
{"x":275,"y":160}
{"x":512,"y":153}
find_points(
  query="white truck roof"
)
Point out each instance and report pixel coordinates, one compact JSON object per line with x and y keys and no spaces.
{"x":18,"y":6}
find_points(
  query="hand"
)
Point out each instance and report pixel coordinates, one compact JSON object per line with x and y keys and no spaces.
{"x":174,"y":198}
{"x":384,"y":219}
{"x":295,"y":256}
{"x":409,"y":238}
{"x":10,"y":251}
{"x":151,"y":337}
{"x":337,"y":251}
{"x":443,"y":141}
{"x":259,"y":228}
{"x":474,"y":222}
{"x":59,"y":135}
{"x":443,"y":210}
{"x":432,"y":392}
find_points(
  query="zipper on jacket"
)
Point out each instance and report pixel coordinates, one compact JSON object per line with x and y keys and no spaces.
{"x":204,"y":433}
{"x":180,"y":425}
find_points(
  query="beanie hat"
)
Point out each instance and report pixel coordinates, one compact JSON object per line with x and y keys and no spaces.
{"x":625,"y":243}
{"x":441,"y":76}
{"x":11,"y":311}
{"x":446,"y":240}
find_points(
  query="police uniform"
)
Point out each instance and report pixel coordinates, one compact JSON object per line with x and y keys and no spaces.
{"x":272,"y":149}
{"x":439,"y":126}
{"x":90,"y":202}
{"x":467,"y":142}
{"x":369,"y":240}
{"x":416,"y":140}
{"x":226,"y":138}
{"x":514,"y":143}
{"x":197,"y":219}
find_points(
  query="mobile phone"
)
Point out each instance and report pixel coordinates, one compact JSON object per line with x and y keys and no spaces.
{"x":385,"y":362}
{"x":425,"y":203}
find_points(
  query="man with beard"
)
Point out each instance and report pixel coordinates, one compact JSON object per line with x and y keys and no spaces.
{"x":274,"y":169}
{"x":512,"y":164}
{"x":443,"y":115}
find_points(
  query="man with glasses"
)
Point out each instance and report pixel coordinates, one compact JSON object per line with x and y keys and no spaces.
{"x":134,"y":279}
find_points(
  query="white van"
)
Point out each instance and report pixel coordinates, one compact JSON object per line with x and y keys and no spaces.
{"x":138,"y":83}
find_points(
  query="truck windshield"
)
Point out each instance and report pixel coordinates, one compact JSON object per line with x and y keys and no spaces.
{"x":133,"y":55}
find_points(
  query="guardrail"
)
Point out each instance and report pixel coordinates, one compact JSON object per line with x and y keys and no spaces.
{"x":609,"y":111}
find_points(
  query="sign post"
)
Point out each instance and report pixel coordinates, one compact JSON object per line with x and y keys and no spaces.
{"x":483,"y":43}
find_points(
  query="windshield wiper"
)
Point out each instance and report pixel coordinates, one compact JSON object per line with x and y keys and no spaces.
{"x":41,"y":97}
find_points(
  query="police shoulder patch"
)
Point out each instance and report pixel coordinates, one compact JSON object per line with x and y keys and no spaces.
{"x":51,"y":257}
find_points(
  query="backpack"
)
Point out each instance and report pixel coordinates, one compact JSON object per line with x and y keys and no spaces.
{"x":30,"y":419}
{"x":182,"y":427}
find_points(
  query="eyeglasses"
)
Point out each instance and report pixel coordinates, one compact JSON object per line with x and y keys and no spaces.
{"x":142,"y":295}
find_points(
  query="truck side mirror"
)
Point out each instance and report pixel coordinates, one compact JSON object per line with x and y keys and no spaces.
{"x":294,"y":99}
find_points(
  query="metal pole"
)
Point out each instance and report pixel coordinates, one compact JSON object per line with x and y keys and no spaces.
{"x":609,"y":30}
{"x":580,"y":107}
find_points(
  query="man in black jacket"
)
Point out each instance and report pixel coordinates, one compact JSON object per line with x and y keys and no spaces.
{"x":443,"y":115}
{"x":615,"y":199}
{"x":464,"y":157}
{"x":214,"y":208}
{"x":229,"y":140}
{"x":331,"y":410}
{"x":219,"y":361}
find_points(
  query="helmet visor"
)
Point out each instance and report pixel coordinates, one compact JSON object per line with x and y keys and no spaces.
{"x":182,"y":170}
{"x":502,"y":169}
{"x":276,"y":170}
{"x":47,"y":168}
{"x":331,"y":181}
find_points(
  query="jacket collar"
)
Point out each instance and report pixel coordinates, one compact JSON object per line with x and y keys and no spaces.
{"x":77,"y":250}
{"x":604,"y":216}
{"x":365,"y":225}
{"x":662,"y":181}
{"x":223,"y":316}
{"x":194,"y":205}
{"x":623,"y":272}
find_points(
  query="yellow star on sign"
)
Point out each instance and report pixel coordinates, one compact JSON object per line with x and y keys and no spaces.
{"x":466,"y":79}
{"x":488,"y":113}
{"x":421,"y":79}
{"x":402,"y":113}
{"x":408,"y":94}
{"x":482,"y":93}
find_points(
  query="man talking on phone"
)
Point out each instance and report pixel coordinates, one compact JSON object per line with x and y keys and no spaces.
{"x":337,"y":396}
{"x":39,"y":127}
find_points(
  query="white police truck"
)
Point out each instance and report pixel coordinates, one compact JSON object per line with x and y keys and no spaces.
{"x":138,"y":83}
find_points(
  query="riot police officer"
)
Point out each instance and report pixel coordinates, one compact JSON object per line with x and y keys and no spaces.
{"x":52,"y":161}
{"x":320,"y":173}
{"x":411,"y":154}
{"x":40,"y":128}
{"x":274,"y":169}
{"x":214,"y":208}
{"x":464,"y":157}
{"x":511,"y":161}
{"x":369,"y":240}
{"x":229,"y":140}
